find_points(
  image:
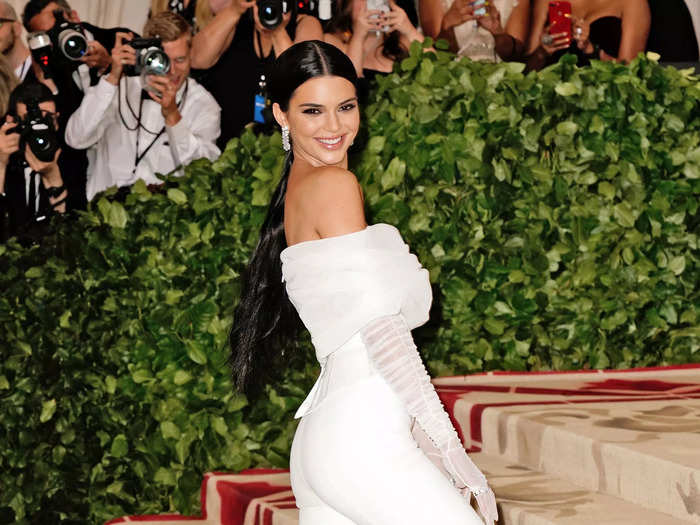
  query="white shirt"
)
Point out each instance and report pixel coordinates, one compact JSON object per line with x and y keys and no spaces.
{"x":24,"y":68}
{"x":98,"y":122}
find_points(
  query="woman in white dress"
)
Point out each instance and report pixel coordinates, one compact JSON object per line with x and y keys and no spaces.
{"x":359,"y":291}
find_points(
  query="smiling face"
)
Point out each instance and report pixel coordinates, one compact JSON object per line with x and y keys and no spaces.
{"x":323,"y":119}
{"x":180,"y":63}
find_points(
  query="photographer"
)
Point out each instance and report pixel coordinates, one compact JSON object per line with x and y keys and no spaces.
{"x":140,"y":133}
{"x":12,"y":46}
{"x":40,"y":15}
{"x":237,"y":44}
{"x":32,"y":185}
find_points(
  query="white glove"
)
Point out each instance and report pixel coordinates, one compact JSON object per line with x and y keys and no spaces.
{"x":395,"y":356}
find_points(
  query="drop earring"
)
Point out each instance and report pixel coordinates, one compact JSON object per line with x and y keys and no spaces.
{"x":286,"y":146}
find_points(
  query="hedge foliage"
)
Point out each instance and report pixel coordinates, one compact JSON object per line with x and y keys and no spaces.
{"x":557,"y":213}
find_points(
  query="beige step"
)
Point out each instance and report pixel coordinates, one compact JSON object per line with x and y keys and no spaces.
{"x":527,"y":497}
{"x":634,"y":435}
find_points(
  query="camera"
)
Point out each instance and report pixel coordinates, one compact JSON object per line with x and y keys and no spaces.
{"x":38,"y":131}
{"x":68,"y":37}
{"x":151,"y":59}
{"x":271,"y":12}
{"x":64,"y":44}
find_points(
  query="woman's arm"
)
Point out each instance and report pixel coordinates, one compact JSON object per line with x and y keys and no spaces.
{"x":308,"y":28}
{"x":539,"y":20}
{"x":636,"y":20}
{"x":210,"y":43}
{"x":438,"y":24}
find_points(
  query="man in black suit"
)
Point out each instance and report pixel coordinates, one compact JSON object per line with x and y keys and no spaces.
{"x":32,"y":189}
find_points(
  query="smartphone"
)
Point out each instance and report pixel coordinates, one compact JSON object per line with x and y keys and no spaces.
{"x":560,"y":18}
{"x":379,"y":5}
{"x":479,"y":7}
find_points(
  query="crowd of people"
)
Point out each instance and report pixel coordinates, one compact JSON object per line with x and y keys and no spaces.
{"x":77,"y":125}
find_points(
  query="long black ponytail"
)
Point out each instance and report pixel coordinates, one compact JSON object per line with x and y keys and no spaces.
{"x":265,"y":321}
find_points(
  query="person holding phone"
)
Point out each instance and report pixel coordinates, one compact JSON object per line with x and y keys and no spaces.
{"x":373,"y":33}
{"x":493,"y":30}
{"x":614,"y":30}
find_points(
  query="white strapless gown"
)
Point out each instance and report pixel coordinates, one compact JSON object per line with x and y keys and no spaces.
{"x":354,"y":460}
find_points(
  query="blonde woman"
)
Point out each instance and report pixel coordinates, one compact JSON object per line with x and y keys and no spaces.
{"x":8,"y":81}
{"x":198,"y":13}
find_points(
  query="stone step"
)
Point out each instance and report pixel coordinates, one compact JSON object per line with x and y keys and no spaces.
{"x":527,"y":497}
{"x":633,"y":435}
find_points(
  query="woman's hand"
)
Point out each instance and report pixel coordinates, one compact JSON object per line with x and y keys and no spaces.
{"x":364,"y":20}
{"x":581,"y":31}
{"x":556,"y":42}
{"x":460,"y":11}
{"x":397,"y":20}
{"x":491,"y":21}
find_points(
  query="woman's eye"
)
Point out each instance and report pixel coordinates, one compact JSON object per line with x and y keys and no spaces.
{"x":347,"y":107}
{"x":312,"y":111}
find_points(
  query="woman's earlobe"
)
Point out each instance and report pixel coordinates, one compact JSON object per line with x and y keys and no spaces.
{"x":279,"y":115}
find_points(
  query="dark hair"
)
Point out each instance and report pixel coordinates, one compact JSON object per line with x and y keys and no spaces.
{"x":265,"y":320}
{"x":29,"y":92}
{"x":341,"y":22}
{"x":34,"y":7}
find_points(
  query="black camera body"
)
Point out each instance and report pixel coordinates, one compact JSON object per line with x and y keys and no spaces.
{"x":38,"y":131}
{"x":271,"y":12}
{"x":151,"y":59}
{"x":62,"y":46}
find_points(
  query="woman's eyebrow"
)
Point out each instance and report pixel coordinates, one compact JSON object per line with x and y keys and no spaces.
{"x":312,"y":105}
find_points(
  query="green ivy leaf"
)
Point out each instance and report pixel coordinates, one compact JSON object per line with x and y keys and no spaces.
{"x":120,"y":446}
{"x":48,"y":409}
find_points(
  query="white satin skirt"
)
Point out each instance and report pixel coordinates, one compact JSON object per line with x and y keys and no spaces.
{"x":355,"y":462}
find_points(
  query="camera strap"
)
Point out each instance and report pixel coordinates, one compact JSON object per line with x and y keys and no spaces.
{"x":261,"y":100}
{"x":139,"y":157}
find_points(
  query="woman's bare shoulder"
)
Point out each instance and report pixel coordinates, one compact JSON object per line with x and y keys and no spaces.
{"x":333,"y":197}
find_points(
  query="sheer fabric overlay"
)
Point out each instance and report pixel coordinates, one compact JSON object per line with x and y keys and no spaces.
{"x":394,"y":354}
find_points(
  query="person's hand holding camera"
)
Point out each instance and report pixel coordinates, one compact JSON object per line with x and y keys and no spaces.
{"x":237,"y":7}
{"x":122,"y":55}
{"x":460,"y":11}
{"x":9,"y":141}
{"x":97,"y":57}
{"x":164,"y":92}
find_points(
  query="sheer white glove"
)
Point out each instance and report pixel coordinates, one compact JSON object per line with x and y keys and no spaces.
{"x":395,"y":356}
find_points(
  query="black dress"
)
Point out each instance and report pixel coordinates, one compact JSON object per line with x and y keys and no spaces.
{"x":233,"y":80}
{"x":672,"y":34}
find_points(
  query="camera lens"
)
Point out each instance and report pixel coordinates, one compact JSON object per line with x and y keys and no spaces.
{"x":156,"y":62}
{"x":43,"y":144}
{"x":73,"y":44}
{"x":270,"y":13}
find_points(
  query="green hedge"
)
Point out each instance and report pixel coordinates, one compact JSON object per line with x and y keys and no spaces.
{"x":557,"y":213}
